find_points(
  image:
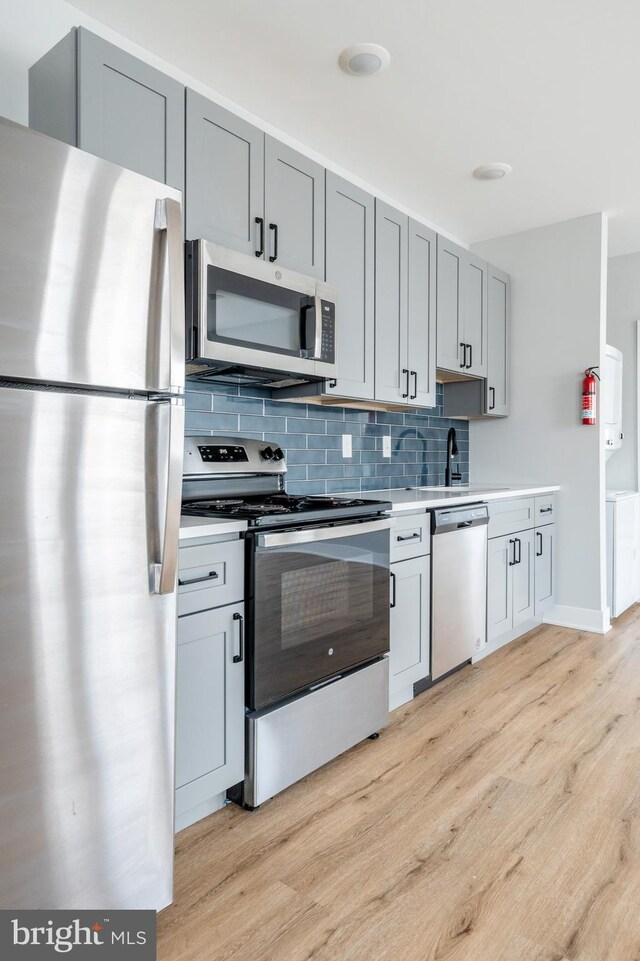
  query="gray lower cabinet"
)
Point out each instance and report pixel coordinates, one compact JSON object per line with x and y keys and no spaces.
{"x":210,"y":709}
{"x":510,"y":583}
{"x":545,"y":568}
{"x":224,"y":198}
{"x":461,"y":313}
{"x":410,"y":627}
{"x":93,"y":95}
{"x":405,"y":258}
{"x":349,"y":228}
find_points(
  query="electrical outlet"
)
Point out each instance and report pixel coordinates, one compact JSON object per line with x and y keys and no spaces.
{"x":346,"y":445}
{"x":386,"y":446}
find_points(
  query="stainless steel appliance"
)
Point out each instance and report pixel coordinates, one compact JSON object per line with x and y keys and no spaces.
{"x":91,"y":442}
{"x":458,"y":586}
{"x":251,"y":321}
{"x":317,"y":608}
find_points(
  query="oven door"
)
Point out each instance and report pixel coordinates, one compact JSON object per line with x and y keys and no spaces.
{"x":320,"y":605}
{"x":255,"y":314}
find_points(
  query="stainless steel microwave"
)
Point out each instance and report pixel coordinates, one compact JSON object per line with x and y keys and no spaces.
{"x":250,"y":321}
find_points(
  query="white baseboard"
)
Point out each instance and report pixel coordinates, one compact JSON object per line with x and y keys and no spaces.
{"x":506,"y":638}
{"x":398,"y":698}
{"x":186,"y":818}
{"x":580,"y":618}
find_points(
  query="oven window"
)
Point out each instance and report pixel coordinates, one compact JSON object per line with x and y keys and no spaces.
{"x":252,"y":313}
{"x":317,"y":609}
{"x":324,"y":600}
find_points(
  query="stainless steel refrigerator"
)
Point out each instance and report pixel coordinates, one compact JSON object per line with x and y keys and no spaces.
{"x":91,"y":437}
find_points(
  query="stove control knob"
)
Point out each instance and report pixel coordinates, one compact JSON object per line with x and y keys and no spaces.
{"x":267,"y":453}
{"x":278,"y":453}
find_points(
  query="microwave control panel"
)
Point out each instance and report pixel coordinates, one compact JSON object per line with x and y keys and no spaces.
{"x":328,"y":337}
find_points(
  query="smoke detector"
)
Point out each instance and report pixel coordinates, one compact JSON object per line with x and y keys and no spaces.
{"x":363,"y":59}
{"x":492,"y":171}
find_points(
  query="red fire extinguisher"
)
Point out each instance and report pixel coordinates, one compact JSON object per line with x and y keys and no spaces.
{"x":589,"y":395}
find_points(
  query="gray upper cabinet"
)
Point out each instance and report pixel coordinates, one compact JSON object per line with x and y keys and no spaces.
{"x":475,"y":314}
{"x":461,"y":310}
{"x":449,"y":310}
{"x":224,"y":177}
{"x":95,"y":96}
{"x":392,"y":276}
{"x":497,"y":399}
{"x":294,"y":209}
{"x":421,"y":358}
{"x":349,"y":228}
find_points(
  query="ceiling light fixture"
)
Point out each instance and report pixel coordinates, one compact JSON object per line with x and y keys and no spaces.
{"x":363,"y":59}
{"x":492,"y":171}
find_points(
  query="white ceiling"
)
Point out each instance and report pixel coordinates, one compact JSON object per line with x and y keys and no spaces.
{"x":549,"y":86}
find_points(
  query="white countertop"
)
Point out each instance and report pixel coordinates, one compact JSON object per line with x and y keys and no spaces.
{"x":419,"y":498}
{"x":206,"y":526}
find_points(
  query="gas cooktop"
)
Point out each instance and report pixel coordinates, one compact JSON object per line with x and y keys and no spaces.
{"x":262,"y":509}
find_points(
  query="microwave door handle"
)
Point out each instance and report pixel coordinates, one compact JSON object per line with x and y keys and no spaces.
{"x":311,"y":329}
{"x":168,"y":219}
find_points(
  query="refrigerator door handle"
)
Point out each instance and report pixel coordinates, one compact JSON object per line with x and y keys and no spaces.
{"x":163,"y":573}
{"x":169,"y":220}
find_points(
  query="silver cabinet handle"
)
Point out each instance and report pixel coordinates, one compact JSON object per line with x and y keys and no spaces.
{"x":211,"y":576}
{"x":164,"y":571}
{"x":409,"y":537}
{"x":168,"y":219}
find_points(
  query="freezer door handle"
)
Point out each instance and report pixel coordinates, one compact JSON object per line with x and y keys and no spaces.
{"x":164,"y":571}
{"x":169,"y":220}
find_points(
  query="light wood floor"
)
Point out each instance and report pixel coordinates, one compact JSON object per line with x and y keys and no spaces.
{"x":497,"y":818}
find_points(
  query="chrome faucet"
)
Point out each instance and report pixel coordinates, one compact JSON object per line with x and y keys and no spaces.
{"x":452,"y":451}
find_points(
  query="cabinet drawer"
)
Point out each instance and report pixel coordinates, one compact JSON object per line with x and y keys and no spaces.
{"x":508,"y":517}
{"x":545,"y":509}
{"x":410,"y":536}
{"x":209,"y":576}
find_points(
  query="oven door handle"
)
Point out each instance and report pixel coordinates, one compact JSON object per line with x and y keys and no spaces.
{"x":308,"y":536}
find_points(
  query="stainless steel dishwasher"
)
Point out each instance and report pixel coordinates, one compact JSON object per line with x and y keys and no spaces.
{"x":458,"y":586}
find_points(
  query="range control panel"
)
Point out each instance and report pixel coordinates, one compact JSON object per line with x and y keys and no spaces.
{"x":216,"y":454}
{"x":207,"y":456}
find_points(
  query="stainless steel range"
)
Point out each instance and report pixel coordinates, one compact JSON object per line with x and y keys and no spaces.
{"x":317,"y":606}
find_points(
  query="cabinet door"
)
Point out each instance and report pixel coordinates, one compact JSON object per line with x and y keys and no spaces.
{"x":224,"y":199}
{"x":294,"y":209}
{"x":544,"y":568}
{"x":392,"y":249}
{"x":523,"y":575}
{"x":499,"y":587}
{"x":449,"y":305}
{"x":350,"y":267}
{"x":128,"y":112}
{"x":409,"y":642}
{"x":209,"y":705}
{"x":497,"y":383}
{"x":475,"y":314}
{"x":422,"y":315}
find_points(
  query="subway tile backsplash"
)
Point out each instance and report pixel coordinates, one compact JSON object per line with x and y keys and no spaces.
{"x":312,"y":438}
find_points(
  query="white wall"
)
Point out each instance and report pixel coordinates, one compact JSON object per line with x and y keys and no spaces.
{"x":623,"y":313}
{"x":558,"y":324}
{"x":31,"y":27}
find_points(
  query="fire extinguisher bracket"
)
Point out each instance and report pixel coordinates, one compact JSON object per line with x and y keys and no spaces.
{"x":589,"y":392}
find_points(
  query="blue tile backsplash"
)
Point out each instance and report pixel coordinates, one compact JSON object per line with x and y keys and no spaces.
{"x":312,"y":438}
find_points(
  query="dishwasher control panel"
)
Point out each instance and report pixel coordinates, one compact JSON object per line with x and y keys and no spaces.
{"x":457,"y":518}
